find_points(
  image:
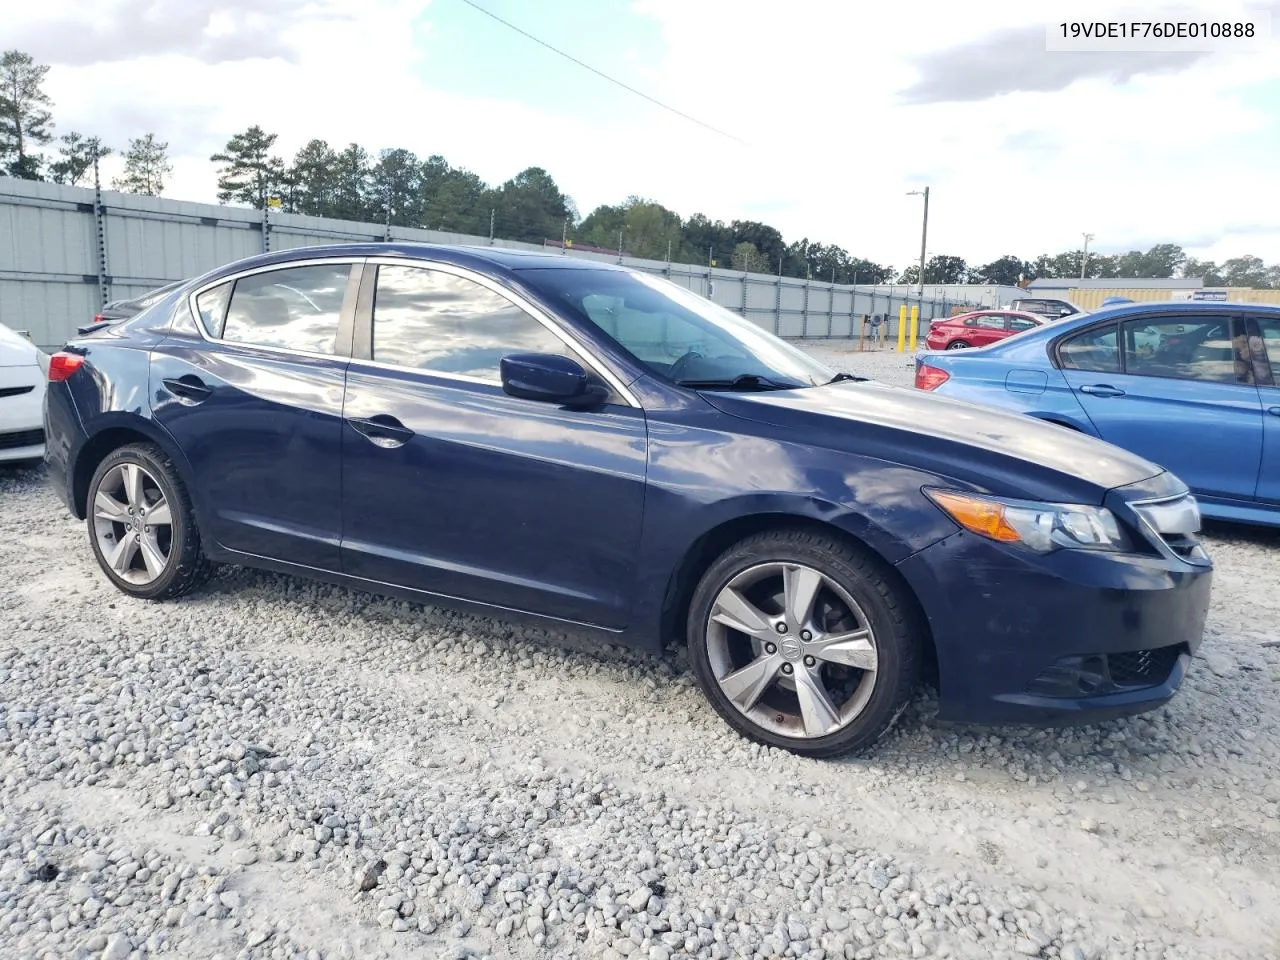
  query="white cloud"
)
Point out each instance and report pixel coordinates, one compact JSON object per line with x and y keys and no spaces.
{"x":815,"y":86}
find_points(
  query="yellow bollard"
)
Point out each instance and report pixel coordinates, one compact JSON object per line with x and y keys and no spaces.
{"x":915,"y":322}
{"x":902,"y":327}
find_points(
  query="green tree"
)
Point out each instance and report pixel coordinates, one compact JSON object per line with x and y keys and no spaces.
{"x":768,"y":240}
{"x":353,"y":186}
{"x":531,"y":207}
{"x":700,"y":234}
{"x":749,"y":260}
{"x":311,"y":180}
{"x":76,"y":154}
{"x":1246,"y":271}
{"x":396,"y":186}
{"x":1005,"y":271}
{"x":249,"y":173}
{"x":938,"y":269}
{"x":602,"y":227}
{"x":146,"y":166}
{"x":452,"y":198}
{"x":25,"y":121}
{"x":1204,"y":270}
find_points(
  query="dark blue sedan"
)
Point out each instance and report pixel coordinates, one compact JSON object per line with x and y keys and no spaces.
{"x":1194,"y":387}
{"x":593,"y":448}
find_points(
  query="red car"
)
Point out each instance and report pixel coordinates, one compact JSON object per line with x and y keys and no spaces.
{"x":979,"y":328}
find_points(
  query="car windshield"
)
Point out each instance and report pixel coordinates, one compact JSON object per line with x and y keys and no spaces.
{"x":676,"y":333}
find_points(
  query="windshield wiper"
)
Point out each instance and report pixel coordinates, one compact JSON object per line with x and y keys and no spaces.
{"x":745,"y":381}
{"x":841,"y":377}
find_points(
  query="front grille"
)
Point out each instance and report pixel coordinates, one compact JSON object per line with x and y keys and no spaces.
{"x":14,"y":391}
{"x":24,"y":438}
{"x":1142,"y":668}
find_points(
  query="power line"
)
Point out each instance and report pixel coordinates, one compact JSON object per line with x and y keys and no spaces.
{"x":599,"y":73}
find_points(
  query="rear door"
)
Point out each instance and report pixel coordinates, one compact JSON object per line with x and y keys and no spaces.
{"x":252,"y":394}
{"x":985,"y":328}
{"x":1176,"y":390}
{"x":1265,"y":338}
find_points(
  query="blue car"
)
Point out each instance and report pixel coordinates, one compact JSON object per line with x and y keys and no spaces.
{"x":595,"y":449}
{"x":1194,"y":387}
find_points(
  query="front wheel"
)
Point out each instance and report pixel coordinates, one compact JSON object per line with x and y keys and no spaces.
{"x":142,"y":527}
{"x":803,"y":642}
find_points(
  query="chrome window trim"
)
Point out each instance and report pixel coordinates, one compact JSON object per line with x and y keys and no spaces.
{"x":575,"y":347}
{"x":284,"y":351}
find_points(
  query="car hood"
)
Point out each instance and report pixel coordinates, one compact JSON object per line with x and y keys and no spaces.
{"x":1007,"y":453}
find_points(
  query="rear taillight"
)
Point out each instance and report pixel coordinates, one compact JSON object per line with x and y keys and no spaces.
{"x":930,"y":378}
{"x":98,"y":318}
{"x":63,"y":365}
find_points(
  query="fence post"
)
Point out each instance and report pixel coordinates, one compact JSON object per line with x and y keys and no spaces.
{"x":266,"y":228}
{"x":831,"y":308}
{"x":804,"y":317}
{"x":777,"y":302}
{"x":100,"y":224}
{"x":746,"y":279}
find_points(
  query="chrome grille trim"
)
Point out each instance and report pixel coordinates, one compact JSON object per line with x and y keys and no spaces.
{"x":1171,"y":524}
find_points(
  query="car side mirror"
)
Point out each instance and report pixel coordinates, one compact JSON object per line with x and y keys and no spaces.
{"x":550,"y":378}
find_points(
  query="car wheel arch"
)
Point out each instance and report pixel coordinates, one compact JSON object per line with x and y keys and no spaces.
{"x":706,"y":548}
{"x":113,"y":434}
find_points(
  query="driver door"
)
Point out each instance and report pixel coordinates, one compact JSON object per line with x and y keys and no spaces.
{"x":454,"y":487}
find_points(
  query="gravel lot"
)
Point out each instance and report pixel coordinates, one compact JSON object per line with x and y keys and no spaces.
{"x":275,"y":768}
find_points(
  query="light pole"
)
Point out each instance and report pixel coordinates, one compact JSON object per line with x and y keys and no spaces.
{"x":1084,"y":260}
{"x":924,"y":238}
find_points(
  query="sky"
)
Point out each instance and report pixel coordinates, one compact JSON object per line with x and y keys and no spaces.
{"x":826,"y":113}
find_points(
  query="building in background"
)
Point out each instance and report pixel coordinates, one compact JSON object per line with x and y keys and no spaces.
{"x":1089,"y":294}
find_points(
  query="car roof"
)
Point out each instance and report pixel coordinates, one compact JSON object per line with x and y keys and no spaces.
{"x":505,"y":259}
{"x":1004,"y":313}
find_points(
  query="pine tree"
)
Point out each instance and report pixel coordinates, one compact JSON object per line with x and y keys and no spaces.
{"x":146,"y":165}
{"x":249,"y":173}
{"x":25,"y":123}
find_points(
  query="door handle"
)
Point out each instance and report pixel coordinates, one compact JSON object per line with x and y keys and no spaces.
{"x":1274,"y":411}
{"x":382,"y":430}
{"x":188,"y":388}
{"x":1102,"y":390}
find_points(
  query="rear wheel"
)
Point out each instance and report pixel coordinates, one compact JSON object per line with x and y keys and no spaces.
{"x":957,"y":345}
{"x":802,"y":642}
{"x":141,"y":525}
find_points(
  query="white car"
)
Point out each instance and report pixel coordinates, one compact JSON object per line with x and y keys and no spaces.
{"x":23,"y":374}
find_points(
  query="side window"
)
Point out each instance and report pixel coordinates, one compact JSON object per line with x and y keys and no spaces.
{"x":212,"y":307}
{"x":986,"y":322}
{"x":297,"y":308}
{"x":1186,"y":349}
{"x":1270,"y":330}
{"x":1018,"y":324}
{"x":1095,"y":350}
{"x":653,"y":338}
{"x":448,"y":324}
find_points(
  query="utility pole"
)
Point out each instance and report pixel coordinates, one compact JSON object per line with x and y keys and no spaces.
{"x":1084,"y":260}
{"x":924,"y":238}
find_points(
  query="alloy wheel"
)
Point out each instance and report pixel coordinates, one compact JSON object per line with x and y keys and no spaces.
{"x":133,"y":524}
{"x":791,"y":650}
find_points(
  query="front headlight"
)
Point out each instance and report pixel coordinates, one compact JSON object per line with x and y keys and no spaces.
{"x":1041,"y":527}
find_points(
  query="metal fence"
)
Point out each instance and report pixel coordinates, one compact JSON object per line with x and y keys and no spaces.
{"x":66,"y":251}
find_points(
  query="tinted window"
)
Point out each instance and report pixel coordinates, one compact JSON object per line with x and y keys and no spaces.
{"x":1018,"y":324}
{"x":1270,"y":330}
{"x":297,"y":308}
{"x":437,"y":321}
{"x":1094,"y":349}
{"x":212,"y":305}
{"x":1186,"y":349}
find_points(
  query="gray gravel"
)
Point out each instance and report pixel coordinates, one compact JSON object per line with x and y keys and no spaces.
{"x":276,"y":768}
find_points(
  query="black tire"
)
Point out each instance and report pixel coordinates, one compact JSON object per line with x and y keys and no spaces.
{"x":891,"y":616}
{"x":186,"y":567}
{"x":957,"y":345}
